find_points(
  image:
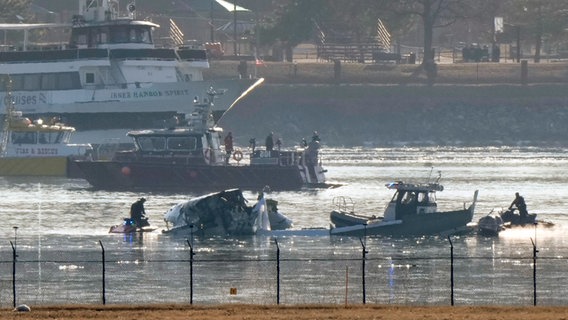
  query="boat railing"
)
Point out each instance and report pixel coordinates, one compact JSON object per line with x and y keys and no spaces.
{"x":343,"y":203}
{"x":162,"y":54}
{"x":53,"y":55}
{"x":98,"y":53}
{"x":277,"y":157}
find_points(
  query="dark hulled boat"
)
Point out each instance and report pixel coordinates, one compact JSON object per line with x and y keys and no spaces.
{"x":412,"y":211}
{"x":189,"y":155}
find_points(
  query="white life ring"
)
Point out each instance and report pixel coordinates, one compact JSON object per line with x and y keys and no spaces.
{"x":238,"y":156}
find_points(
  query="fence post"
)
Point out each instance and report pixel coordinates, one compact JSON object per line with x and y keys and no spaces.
{"x":535,"y":251}
{"x":191,"y":254}
{"x":524,"y":72}
{"x":363,"y":270}
{"x":451,"y":271}
{"x":104,"y":271}
{"x":277,"y":271}
{"x":14,"y":256}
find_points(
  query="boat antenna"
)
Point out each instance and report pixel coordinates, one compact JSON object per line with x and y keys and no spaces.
{"x":430,"y":174}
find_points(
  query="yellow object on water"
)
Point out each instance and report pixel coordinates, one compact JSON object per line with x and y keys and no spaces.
{"x":33,"y":166}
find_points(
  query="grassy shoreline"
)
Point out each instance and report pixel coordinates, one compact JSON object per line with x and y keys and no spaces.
{"x":300,"y":312}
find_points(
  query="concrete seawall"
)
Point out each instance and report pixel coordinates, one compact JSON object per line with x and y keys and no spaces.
{"x":383,"y":115}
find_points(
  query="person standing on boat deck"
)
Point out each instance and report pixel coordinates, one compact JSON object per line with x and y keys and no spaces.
{"x":252,"y":144}
{"x":312,"y":150}
{"x":269,"y":142}
{"x":316,"y":137}
{"x":228,"y":146}
{"x":519,"y":202}
{"x":138,"y":213}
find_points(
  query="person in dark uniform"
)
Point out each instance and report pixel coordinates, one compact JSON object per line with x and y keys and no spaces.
{"x":519,"y":202}
{"x":269,"y":142}
{"x":228,"y":146}
{"x":138,"y":213}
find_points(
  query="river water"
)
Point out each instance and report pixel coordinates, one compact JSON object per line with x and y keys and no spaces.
{"x":59,"y":231}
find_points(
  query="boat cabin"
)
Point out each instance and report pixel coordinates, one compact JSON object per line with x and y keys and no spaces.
{"x":24,"y":138}
{"x":411,"y":199}
{"x":176,"y":145}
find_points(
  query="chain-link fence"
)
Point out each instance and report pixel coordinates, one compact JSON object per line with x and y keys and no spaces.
{"x":275,"y":274}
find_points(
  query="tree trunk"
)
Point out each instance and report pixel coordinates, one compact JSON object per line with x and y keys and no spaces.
{"x":538,"y":39}
{"x":428,"y":63}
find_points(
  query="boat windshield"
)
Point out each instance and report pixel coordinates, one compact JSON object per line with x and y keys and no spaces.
{"x":31,"y":137}
{"x":414,"y":196}
{"x":182,"y":143}
{"x":166,"y":143}
{"x":23,"y":137}
{"x":151,"y":143}
{"x":91,"y":37}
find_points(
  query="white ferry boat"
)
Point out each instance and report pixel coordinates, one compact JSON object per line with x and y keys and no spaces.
{"x":39,"y":148}
{"x":110,"y":75}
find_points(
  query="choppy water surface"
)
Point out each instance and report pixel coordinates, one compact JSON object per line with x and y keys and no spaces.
{"x":62,"y":227}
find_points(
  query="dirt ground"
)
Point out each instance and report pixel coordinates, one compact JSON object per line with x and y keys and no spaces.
{"x":311,"y":312}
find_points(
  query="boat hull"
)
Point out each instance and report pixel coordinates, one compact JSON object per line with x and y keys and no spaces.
{"x":158,"y":97}
{"x":345,"y":219}
{"x":414,"y":225}
{"x":125,"y":175}
{"x":38,"y":166}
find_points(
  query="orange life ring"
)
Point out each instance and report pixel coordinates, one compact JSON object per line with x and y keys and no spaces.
{"x":238,"y":156}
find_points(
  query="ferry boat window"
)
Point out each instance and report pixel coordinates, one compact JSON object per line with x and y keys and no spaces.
{"x":133,"y":35}
{"x":182,"y":143}
{"x":43,"y":138}
{"x":90,"y":77}
{"x":68,"y":80}
{"x":50,"y":137}
{"x":102,"y":36}
{"x":143,"y":36}
{"x":79,"y":38}
{"x":17,"y":82}
{"x":32,"y":82}
{"x":119,"y":35}
{"x":151,"y":143}
{"x":60,"y":80}
{"x":48,"y":82}
{"x":22,"y":137}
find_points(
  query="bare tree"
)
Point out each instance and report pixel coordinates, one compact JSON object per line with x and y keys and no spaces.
{"x":11,"y":9}
{"x":538,"y":20}
{"x":435,"y":14}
